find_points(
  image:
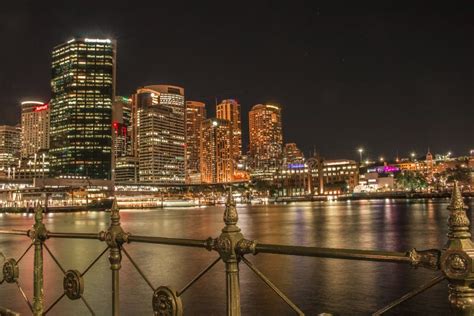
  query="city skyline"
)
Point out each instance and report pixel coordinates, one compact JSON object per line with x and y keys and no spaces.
{"x":387,"y":88}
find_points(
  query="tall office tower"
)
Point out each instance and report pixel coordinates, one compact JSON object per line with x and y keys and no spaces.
{"x":124,"y":164}
{"x":10,"y":144}
{"x":121,"y":126}
{"x":216,"y":151}
{"x":160,"y":133}
{"x":266,"y":137}
{"x":195,"y":114}
{"x":83,"y":88}
{"x":230,"y":110}
{"x":34,"y":127}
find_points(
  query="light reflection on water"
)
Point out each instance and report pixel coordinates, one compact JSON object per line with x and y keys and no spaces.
{"x":316,"y":285}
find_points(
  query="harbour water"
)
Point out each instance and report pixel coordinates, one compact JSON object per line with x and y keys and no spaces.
{"x":316,"y":285}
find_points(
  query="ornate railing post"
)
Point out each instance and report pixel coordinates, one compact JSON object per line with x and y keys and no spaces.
{"x":458,"y":257}
{"x":38,"y":235}
{"x":230,"y":245}
{"x":115,"y":237}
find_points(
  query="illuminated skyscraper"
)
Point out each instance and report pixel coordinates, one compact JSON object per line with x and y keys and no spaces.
{"x":217,"y":164}
{"x":83,"y":88}
{"x":34,"y":127}
{"x":159,"y":133}
{"x":266,"y":137}
{"x":230,"y":110}
{"x":125,"y":165}
{"x":121,"y":127}
{"x":10,"y":144}
{"x":195,"y":114}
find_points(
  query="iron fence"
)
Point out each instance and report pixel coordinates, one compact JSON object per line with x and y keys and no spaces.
{"x":454,"y":260}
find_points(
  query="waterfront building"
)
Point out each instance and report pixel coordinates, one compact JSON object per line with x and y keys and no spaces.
{"x":158,"y":116}
{"x":195,"y":114}
{"x":292,"y":154}
{"x":34,"y":166}
{"x":34,"y":127}
{"x":229,"y":109}
{"x":217,"y":165}
{"x":10,"y":145}
{"x":293,"y":179}
{"x":377,"y":179}
{"x":83,"y":88}
{"x":334,"y":177}
{"x":266,"y":140}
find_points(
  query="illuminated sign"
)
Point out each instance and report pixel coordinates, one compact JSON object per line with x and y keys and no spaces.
{"x":41,"y":107}
{"x":295,"y":166}
{"x":97,"y":40}
{"x":384,"y":169}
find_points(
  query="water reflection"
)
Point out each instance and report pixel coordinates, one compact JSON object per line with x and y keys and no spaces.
{"x":316,"y":285}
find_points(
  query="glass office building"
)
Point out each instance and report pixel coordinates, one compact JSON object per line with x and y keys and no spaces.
{"x":83,"y":88}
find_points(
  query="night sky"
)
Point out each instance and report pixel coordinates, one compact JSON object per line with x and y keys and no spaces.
{"x":386,"y":75}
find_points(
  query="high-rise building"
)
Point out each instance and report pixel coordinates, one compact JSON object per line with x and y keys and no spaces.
{"x":266,"y":138}
{"x":124,"y":165}
{"x":34,"y":127}
{"x":230,"y":110}
{"x":83,"y":88}
{"x":159,"y":133}
{"x":217,"y":164}
{"x":10,"y":144}
{"x":121,"y":127}
{"x":195,"y":114}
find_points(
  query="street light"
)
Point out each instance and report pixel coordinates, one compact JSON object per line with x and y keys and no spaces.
{"x":412,"y":156}
{"x":360,"y":150}
{"x":381,"y":159}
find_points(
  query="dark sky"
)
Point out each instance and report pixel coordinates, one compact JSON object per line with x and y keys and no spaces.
{"x":386,"y":75}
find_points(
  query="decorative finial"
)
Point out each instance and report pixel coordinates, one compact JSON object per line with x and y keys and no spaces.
{"x":458,"y":221}
{"x":231,"y":217}
{"x":115,"y":213}
{"x":457,"y":202}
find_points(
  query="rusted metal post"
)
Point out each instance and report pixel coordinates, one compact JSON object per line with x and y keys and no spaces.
{"x":458,"y":257}
{"x":115,"y":237}
{"x":38,"y":234}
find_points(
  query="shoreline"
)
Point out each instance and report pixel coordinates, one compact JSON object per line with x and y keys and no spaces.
{"x":278,"y":200}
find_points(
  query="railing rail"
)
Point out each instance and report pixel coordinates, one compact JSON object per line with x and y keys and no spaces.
{"x":455,"y":260}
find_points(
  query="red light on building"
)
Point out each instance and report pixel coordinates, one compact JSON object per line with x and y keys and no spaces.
{"x":41,"y":107}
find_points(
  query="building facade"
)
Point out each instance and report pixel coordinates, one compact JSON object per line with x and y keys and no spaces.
{"x":293,"y":179}
{"x":10,"y":145}
{"x":336,"y":176}
{"x":230,"y":110}
{"x":158,"y":115}
{"x":266,"y":139}
{"x":83,"y":89}
{"x":34,"y":127}
{"x":292,"y":154}
{"x":195,"y":114}
{"x":217,"y":165}
{"x":125,"y":165}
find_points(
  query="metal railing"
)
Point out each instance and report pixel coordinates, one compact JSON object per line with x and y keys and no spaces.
{"x":454,"y":260}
